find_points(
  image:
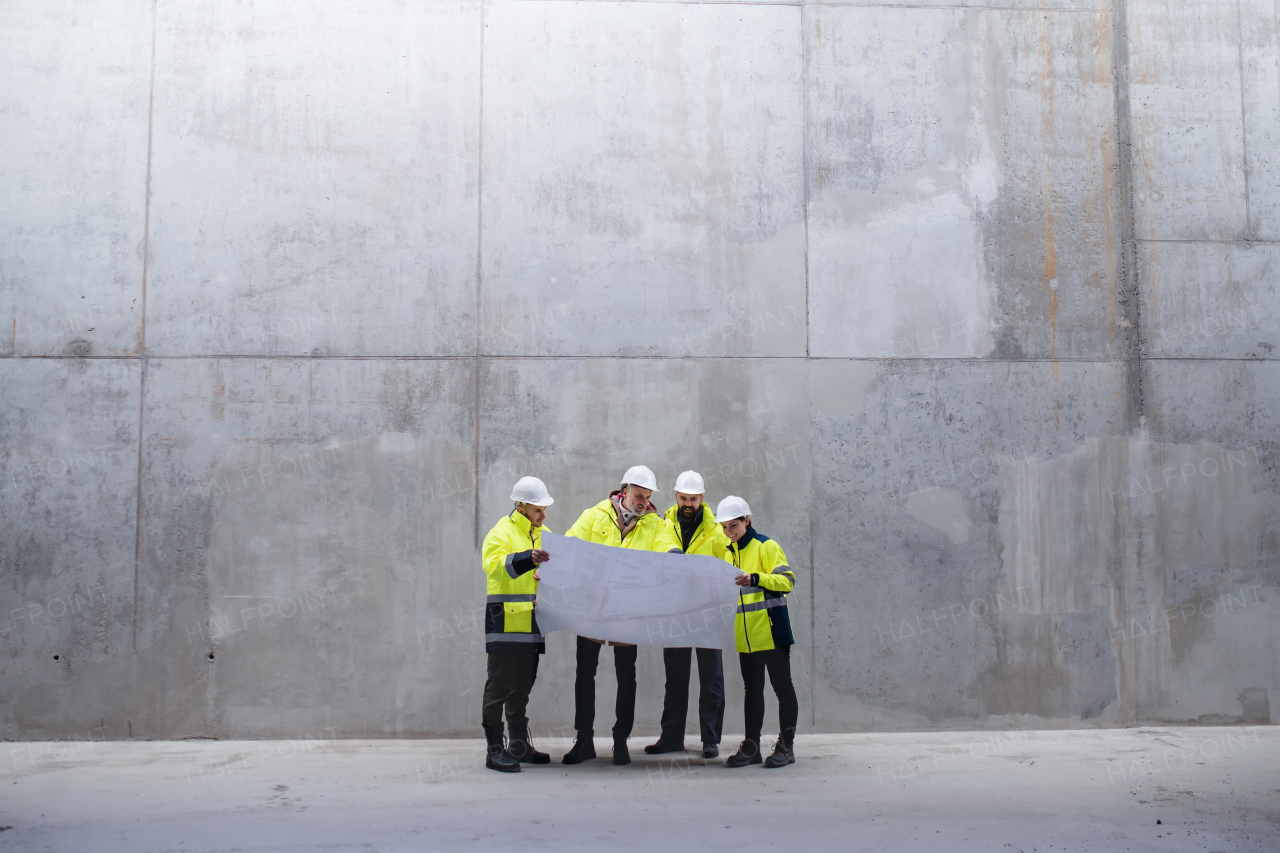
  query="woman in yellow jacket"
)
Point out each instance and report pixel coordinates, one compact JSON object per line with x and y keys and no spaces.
{"x":763,"y":630}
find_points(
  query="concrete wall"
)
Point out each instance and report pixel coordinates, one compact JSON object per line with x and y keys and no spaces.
{"x":976,"y":305}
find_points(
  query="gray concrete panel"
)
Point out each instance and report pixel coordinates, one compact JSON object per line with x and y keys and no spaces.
{"x":68,"y":498}
{"x":1092,"y":579}
{"x":314,"y":179}
{"x":1211,"y":555}
{"x":642,"y":180}
{"x":73,"y":116}
{"x":962,"y":188}
{"x":579,"y":424}
{"x":960,"y":501}
{"x":1210,"y":300}
{"x":1188,"y":131}
{"x":296,"y":530}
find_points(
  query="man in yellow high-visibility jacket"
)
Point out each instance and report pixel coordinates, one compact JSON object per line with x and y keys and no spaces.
{"x":625,"y":519}
{"x":512,"y":552}
{"x":693,"y":525}
{"x":763,"y":631}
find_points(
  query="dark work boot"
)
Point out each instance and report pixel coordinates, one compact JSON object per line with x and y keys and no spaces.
{"x":783,"y":754}
{"x":663,"y":745}
{"x":521,"y":747}
{"x":621,"y":755}
{"x":498,"y":758}
{"x":748,"y":753}
{"x":584,"y":748}
{"x":710,"y":750}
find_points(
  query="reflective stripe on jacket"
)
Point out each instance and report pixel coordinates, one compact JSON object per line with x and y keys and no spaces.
{"x":708,"y":539}
{"x":762,"y":622}
{"x":599,"y":524}
{"x":509,"y":623}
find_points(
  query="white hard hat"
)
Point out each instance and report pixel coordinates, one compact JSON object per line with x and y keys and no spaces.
{"x":531,"y":490}
{"x":639,"y":475}
{"x":690,"y":482}
{"x":730,"y":508}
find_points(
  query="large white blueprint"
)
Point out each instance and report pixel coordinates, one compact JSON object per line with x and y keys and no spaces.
{"x":639,"y":597}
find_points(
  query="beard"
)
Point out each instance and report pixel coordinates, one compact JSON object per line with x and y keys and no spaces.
{"x":688,"y":512}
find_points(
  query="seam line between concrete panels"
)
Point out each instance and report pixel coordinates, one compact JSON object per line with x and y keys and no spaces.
{"x":804,"y":163}
{"x":940,"y":359}
{"x":1244,"y":241}
{"x":1130,"y":285}
{"x":142,"y":332}
{"x":478,"y":347}
{"x":804,"y":173}
{"x":1130,"y":295}
{"x":947,"y":7}
{"x":667,"y":2}
{"x":952,"y":7}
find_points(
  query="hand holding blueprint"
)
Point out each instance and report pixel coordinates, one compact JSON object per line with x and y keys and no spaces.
{"x":639,"y":597}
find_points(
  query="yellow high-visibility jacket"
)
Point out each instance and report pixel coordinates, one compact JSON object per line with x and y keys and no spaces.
{"x":599,"y":524}
{"x":509,"y":623}
{"x":762,"y":622}
{"x":708,"y":539}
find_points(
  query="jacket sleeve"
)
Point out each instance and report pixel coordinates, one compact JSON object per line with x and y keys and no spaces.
{"x":501,"y":564}
{"x":582,"y":527}
{"x":780,"y":578}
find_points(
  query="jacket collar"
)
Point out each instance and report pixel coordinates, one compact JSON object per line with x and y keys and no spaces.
{"x":752,"y":535}
{"x":523,"y":524}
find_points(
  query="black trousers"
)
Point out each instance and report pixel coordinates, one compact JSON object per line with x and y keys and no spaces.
{"x":511,"y":677}
{"x":778,"y":664}
{"x":675,"y":700}
{"x":584,"y":687}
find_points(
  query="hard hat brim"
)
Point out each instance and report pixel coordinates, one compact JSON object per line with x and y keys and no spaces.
{"x":549,"y":502}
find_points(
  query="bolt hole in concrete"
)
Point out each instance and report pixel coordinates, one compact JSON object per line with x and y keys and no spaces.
{"x":210,"y":655}
{"x":57,"y":657}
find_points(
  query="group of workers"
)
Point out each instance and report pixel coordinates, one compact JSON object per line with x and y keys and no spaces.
{"x":627,"y":518}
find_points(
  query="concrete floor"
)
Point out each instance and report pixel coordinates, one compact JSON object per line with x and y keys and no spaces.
{"x":1144,"y":789}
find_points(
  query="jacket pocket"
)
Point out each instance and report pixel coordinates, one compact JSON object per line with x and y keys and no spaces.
{"x":517,"y":617}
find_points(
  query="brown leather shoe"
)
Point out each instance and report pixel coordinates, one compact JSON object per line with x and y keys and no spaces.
{"x":782,"y":755}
